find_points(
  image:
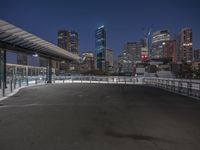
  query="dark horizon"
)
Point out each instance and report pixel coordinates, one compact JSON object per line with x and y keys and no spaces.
{"x":124,"y":21}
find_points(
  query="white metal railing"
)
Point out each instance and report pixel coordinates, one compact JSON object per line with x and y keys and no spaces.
{"x":189,"y":88}
{"x":186,"y":87}
{"x":13,"y":84}
{"x":97,"y":79}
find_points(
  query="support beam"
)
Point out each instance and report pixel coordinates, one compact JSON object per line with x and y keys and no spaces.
{"x":4,"y":67}
{"x":3,"y":70}
{"x":49,"y":71}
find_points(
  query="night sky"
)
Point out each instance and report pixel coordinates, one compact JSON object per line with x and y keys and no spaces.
{"x":124,"y":19}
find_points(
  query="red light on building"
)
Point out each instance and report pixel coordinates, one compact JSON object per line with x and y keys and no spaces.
{"x":144,"y":57}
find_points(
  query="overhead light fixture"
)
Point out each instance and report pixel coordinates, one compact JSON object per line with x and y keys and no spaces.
{"x":35,"y":55}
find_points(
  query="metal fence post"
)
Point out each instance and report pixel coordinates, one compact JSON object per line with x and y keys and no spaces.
{"x":27,"y":81}
{"x":14,"y":83}
{"x":35,"y":81}
{"x":188,"y":89}
{"x":143,"y":81}
{"x":54,"y":80}
{"x":191,"y":88}
{"x":199,"y":90}
{"x":171,"y":85}
{"x":11,"y":90}
{"x":3,"y":88}
{"x":20,"y":82}
{"x":181,"y":84}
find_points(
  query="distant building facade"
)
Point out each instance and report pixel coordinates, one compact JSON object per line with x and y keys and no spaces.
{"x":144,"y":50}
{"x":169,"y":50}
{"x":132,"y":54}
{"x":136,"y":51}
{"x":88,"y":62}
{"x":158,"y":41}
{"x":109,"y":60}
{"x":63,"y":39}
{"x":125,"y":64}
{"x":74,"y":42}
{"x":100,"y":47}
{"x":196,"y":54}
{"x":178,"y":46}
{"x":68,"y":41}
{"x":186,"y":51}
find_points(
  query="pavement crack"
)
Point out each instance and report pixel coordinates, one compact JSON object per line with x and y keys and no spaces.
{"x":138,"y":137}
{"x":131,"y":136}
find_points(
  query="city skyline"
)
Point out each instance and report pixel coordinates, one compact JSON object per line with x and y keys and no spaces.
{"x":124,"y":21}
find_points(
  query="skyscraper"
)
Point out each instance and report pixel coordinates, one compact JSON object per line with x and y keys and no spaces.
{"x":74,"y":42}
{"x":68,"y":41}
{"x":178,"y":46}
{"x":125,"y":65}
{"x":109,"y":60}
{"x":135,"y":51}
{"x":129,"y":49}
{"x":158,"y":41}
{"x":169,"y":50}
{"x":64,"y":39}
{"x":196,"y":54}
{"x":100,"y":46}
{"x":88,"y":61}
{"x":186,"y":51}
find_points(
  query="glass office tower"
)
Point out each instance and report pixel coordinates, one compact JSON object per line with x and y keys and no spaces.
{"x":100,"y":46}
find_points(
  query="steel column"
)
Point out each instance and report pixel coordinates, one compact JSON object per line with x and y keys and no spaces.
{"x":49,"y":71}
{"x":3,"y":70}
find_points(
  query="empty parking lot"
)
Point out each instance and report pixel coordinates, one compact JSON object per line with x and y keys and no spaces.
{"x":98,"y":117}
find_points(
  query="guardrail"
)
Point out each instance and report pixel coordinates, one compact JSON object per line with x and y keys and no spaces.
{"x":189,"y":88}
{"x":13,"y":84}
{"x":185,"y":87}
{"x":97,"y":79}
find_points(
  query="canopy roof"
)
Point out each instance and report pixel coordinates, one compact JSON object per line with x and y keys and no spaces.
{"x":17,"y":37}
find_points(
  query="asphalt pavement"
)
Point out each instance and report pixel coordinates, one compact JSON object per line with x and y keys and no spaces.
{"x":99,"y":117}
